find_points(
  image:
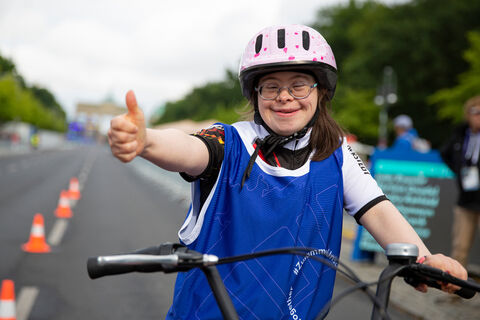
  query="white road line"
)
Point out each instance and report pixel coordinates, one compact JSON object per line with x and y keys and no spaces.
{"x":56,"y":234}
{"x":85,"y":171}
{"x":73,"y":203}
{"x":26,"y":300}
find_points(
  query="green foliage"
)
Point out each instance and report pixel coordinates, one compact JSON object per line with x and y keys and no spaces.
{"x":450,"y":101}
{"x":6,"y":65}
{"x":21,"y":105}
{"x":48,"y":100}
{"x":420,"y":39}
{"x":8,"y":89}
{"x":33,"y":105}
{"x":215,"y":100}
{"x":357,"y":110}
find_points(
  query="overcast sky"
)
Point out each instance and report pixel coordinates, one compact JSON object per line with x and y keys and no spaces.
{"x":87,"y":51}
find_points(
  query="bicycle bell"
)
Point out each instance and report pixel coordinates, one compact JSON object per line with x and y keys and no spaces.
{"x":402,"y":252}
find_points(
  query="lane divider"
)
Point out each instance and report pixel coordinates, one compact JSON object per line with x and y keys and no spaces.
{"x":74,"y":189}
{"x":7,"y":300}
{"x":68,"y":200}
{"x":85,"y":171}
{"x":26,"y":300}
{"x":19,"y":309}
{"x":37,"y":243}
{"x":58,"y":230}
{"x":63,"y":209}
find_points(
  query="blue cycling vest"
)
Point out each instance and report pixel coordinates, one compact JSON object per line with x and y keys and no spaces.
{"x":275,"y":208}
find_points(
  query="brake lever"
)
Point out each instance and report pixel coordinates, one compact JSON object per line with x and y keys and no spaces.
{"x":187,"y":259}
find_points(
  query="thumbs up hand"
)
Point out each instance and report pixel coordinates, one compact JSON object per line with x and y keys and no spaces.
{"x":127,"y":133}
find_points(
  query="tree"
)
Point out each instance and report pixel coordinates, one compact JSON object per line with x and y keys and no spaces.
{"x":215,"y":100}
{"x":33,"y":105}
{"x":449,"y":101}
{"x":48,"y":100}
{"x":6,"y":66}
{"x":419,"y":39}
{"x":7,"y":98}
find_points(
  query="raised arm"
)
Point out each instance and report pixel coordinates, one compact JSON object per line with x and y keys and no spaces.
{"x":170,"y":149}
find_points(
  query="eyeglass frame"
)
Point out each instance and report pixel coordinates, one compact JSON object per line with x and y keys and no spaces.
{"x":474,"y":111}
{"x":259,"y":89}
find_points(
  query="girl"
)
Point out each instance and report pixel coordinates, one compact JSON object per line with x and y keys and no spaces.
{"x":280,"y":180}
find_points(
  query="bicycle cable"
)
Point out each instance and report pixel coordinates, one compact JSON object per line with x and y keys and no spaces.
{"x":363,"y":286}
{"x":349,"y":273}
{"x":295,"y":251}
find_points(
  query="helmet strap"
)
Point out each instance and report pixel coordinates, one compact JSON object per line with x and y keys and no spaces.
{"x":273,"y":140}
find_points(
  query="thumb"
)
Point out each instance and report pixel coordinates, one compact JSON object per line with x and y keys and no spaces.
{"x":132,"y":105}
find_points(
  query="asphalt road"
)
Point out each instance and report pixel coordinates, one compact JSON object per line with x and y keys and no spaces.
{"x":119,"y":211}
{"x":123,"y":207}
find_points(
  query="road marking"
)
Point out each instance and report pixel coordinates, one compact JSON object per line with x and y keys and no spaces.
{"x":25,"y":302}
{"x":57,"y":232}
{"x":87,"y":166}
{"x":73,"y":203}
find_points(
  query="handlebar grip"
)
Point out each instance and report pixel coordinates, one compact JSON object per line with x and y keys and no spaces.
{"x":430,"y":276}
{"x":96,"y":269}
{"x":465,"y":293}
{"x":111,"y":265}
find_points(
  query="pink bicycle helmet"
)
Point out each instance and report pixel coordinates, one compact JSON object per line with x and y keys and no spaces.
{"x":290,"y":47}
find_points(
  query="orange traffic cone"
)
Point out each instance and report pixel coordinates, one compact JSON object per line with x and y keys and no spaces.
{"x":7,"y":301}
{"x":63,"y":209}
{"x":74,"y":190}
{"x":37,"y":243}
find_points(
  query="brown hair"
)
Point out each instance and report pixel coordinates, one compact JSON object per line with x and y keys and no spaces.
{"x":326,"y":134}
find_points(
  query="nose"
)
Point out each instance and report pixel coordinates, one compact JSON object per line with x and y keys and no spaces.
{"x":284,"y":94}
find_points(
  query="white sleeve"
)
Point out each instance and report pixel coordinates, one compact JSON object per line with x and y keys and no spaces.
{"x":360,"y":190}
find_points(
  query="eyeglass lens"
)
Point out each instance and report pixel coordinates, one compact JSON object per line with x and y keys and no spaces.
{"x":298,"y":91}
{"x":474,"y":111}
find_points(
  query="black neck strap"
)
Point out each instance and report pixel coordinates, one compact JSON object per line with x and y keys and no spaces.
{"x":272,"y":141}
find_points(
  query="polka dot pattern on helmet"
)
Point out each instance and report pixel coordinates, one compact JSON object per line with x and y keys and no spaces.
{"x":284,"y":47}
{"x":299,"y":43}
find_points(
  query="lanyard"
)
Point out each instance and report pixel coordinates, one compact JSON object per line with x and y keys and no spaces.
{"x":473,"y":148}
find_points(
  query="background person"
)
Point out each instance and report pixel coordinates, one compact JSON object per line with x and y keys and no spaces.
{"x":461,"y":153}
{"x":407,"y":136}
{"x":280,"y":180}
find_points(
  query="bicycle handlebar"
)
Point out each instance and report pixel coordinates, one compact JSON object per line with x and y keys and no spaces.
{"x":170,"y":257}
{"x":119,"y":264}
{"x":420,"y":273}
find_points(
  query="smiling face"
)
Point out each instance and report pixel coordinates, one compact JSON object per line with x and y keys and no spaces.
{"x":286,"y":115}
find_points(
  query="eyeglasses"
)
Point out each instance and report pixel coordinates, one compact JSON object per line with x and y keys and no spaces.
{"x":474,"y":111}
{"x":271,"y":91}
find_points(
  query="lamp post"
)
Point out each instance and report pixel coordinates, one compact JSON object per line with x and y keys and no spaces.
{"x":386,"y":96}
